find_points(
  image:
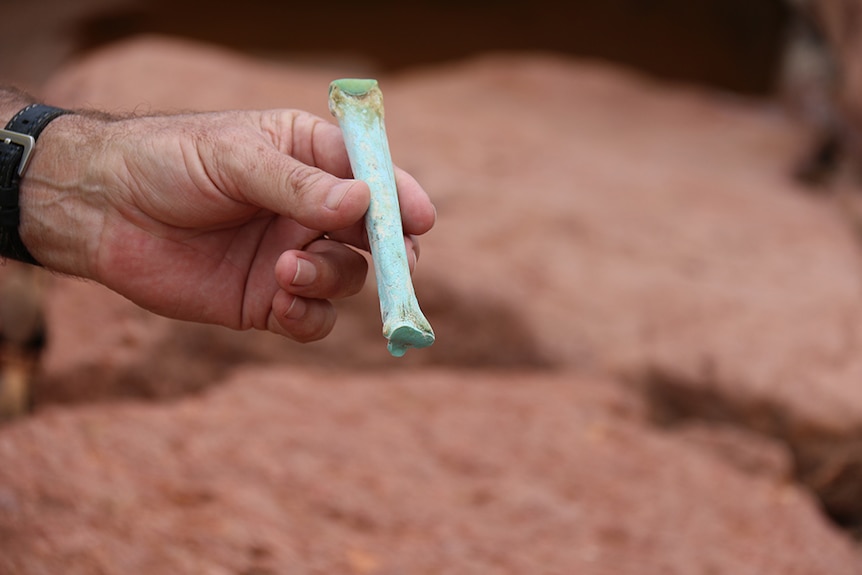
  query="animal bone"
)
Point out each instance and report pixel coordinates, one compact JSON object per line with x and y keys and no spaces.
{"x":357,"y":104}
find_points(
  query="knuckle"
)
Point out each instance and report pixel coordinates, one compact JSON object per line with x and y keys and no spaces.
{"x":312,"y":328}
{"x":342,"y":271}
{"x":302,"y":178}
{"x":314,"y":322}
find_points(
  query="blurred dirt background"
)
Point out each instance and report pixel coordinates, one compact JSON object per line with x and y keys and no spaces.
{"x":645,"y":282}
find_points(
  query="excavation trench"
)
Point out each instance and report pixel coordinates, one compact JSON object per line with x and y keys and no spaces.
{"x":827,"y":462}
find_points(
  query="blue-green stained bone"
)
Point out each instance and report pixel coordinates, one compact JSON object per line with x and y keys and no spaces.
{"x":357,"y":104}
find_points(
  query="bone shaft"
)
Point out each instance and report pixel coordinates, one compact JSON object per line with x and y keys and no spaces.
{"x":358,"y":107}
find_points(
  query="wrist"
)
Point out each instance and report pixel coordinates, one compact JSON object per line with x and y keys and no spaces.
{"x":59,"y":208}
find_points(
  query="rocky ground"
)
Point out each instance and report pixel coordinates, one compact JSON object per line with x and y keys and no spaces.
{"x":648,"y":357}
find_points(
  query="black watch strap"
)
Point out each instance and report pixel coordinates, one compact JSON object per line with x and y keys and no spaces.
{"x":16,"y":144}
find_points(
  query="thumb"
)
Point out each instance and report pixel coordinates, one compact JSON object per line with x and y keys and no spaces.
{"x":275,"y":181}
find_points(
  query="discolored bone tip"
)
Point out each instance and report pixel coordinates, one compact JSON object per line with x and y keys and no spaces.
{"x":354,"y":86}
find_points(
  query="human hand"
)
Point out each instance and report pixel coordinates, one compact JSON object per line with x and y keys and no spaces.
{"x":244,"y":219}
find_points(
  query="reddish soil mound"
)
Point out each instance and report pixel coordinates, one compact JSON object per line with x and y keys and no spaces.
{"x":310,"y":471}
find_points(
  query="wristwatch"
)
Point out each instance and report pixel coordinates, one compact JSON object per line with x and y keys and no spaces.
{"x":16,"y":146}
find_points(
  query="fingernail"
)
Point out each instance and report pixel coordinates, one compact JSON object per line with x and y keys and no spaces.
{"x":336,"y":195}
{"x":296,"y":310}
{"x":306,"y":272}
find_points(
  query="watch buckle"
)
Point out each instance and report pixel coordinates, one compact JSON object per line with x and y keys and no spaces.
{"x":27,"y":142}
